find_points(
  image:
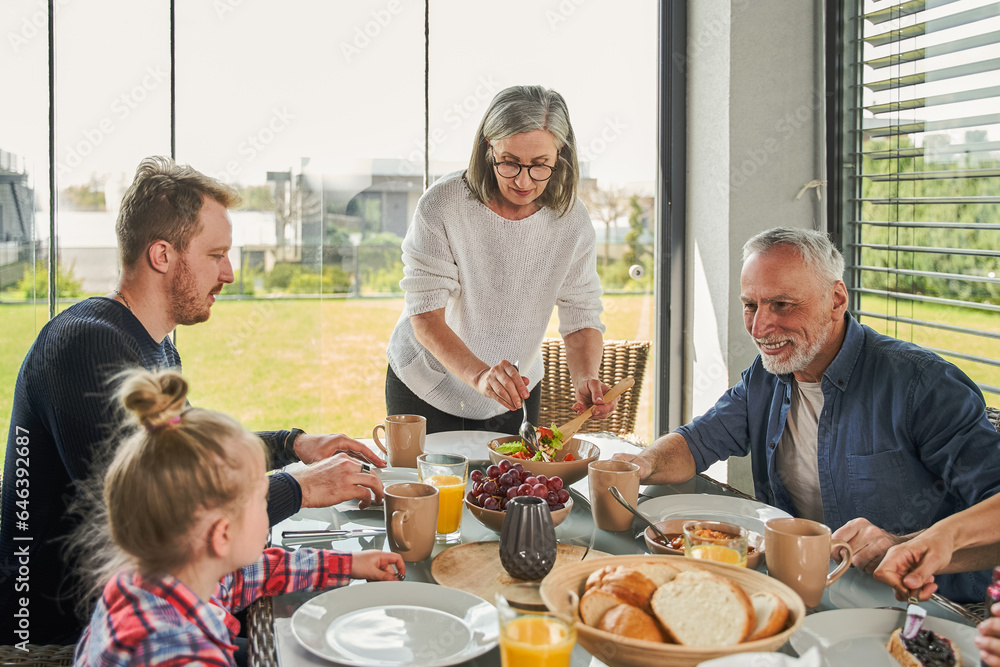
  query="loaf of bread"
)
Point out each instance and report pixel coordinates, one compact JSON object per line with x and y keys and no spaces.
{"x":629,"y":621}
{"x":702,"y":609}
{"x":658,"y":573}
{"x":770,"y":614}
{"x":594,"y":604}
{"x":625,"y":583}
{"x":616,"y":599}
{"x":927,"y":648}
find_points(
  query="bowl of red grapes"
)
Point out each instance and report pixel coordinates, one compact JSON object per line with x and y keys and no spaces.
{"x":494,"y":487}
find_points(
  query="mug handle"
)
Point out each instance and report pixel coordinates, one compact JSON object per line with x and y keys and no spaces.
{"x":569,"y":611}
{"x":844,"y":564}
{"x":396,"y":534}
{"x":375,"y":437}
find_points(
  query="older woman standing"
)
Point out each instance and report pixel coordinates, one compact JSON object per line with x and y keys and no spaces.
{"x":491,"y":250}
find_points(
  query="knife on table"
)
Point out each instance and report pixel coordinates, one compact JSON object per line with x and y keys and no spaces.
{"x":330,"y":534}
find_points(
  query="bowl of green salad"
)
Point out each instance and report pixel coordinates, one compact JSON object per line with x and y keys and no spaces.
{"x":566,"y":459}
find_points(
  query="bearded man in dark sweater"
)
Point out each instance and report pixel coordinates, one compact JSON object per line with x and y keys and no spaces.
{"x":174,"y":236}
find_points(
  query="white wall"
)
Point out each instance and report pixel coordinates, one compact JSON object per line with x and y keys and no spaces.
{"x":755,"y":138}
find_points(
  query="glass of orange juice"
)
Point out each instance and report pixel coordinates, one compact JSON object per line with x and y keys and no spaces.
{"x":531,"y":635}
{"x":716,"y":540}
{"x":449,"y":473}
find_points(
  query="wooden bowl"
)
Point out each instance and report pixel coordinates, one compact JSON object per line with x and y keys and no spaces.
{"x":676,"y":526}
{"x":568,"y":471}
{"x":618,"y":651}
{"x":493,"y":519}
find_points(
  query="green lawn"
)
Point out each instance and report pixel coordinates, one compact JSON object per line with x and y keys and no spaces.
{"x":320,"y":365}
{"x":317,"y":365}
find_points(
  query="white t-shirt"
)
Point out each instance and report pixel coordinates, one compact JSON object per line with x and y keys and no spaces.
{"x":796,"y":462}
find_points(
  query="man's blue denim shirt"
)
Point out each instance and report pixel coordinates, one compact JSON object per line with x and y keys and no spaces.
{"x":903,"y":439}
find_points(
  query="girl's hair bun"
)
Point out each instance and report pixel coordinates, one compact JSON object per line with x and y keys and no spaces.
{"x":156,"y":398}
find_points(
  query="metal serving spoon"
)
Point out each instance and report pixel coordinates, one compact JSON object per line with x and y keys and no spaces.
{"x":617,"y":495}
{"x":527,"y":432}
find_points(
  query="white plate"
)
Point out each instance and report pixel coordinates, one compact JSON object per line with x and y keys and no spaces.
{"x":396,"y":475}
{"x":853,"y":637}
{"x":396,"y":624}
{"x":472,"y":444}
{"x":750,"y":514}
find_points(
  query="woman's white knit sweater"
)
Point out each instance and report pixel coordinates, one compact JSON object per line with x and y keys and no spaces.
{"x":498,"y":281}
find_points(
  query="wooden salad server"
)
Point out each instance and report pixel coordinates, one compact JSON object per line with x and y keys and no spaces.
{"x":570,"y":428}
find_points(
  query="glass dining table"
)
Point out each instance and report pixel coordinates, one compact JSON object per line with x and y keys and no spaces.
{"x":270,"y":633}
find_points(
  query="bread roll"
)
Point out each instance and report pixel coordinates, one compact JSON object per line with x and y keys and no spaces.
{"x":628,"y":585}
{"x":629,"y":621}
{"x":594,"y":604}
{"x":770,"y":614}
{"x":699,"y":610}
{"x":658,"y":573}
{"x":595,"y":577}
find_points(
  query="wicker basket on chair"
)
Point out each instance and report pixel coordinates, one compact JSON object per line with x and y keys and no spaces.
{"x":620,"y":359}
{"x":37,"y":654}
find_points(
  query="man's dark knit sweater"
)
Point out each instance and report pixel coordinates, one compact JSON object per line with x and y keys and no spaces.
{"x":62,"y":416}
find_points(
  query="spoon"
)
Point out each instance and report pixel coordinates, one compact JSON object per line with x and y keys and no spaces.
{"x":617,"y":495}
{"x":527,"y":431}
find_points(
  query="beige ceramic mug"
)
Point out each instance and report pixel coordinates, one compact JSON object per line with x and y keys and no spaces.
{"x":798,"y":554}
{"x":608,"y":512}
{"x":404,"y":436}
{"x":411,"y":514}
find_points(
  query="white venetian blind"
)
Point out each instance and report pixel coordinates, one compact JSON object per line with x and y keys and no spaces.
{"x":922,"y":220}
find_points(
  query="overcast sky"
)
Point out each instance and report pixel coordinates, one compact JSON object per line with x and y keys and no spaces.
{"x":261,"y":84}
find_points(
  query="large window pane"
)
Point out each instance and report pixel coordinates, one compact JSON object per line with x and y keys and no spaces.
{"x":311,"y":109}
{"x":111,"y":111}
{"x":24,"y":193}
{"x":601,"y":56}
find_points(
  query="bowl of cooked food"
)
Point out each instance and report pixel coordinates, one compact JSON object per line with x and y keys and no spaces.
{"x":566,"y":459}
{"x":637,"y":611}
{"x":674,"y":530}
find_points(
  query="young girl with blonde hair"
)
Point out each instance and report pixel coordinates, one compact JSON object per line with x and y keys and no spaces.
{"x":186,"y":499}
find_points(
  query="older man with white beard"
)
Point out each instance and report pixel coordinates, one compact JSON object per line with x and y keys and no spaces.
{"x":845,"y":425}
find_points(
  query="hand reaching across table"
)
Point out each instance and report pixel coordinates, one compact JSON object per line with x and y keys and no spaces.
{"x":868,"y":542}
{"x":966,"y":541}
{"x":313,"y":448}
{"x":337,"y":479}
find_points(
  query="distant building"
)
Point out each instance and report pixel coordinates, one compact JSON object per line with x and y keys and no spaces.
{"x":17,"y":218}
{"x":17,"y":201}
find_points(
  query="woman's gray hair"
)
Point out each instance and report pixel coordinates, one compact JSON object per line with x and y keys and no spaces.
{"x":517,"y":110}
{"x":815,"y":247}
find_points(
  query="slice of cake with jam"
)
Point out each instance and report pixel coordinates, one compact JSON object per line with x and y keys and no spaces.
{"x":927,"y":649}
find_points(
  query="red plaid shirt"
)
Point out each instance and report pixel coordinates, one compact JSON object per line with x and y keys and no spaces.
{"x":160,"y":621}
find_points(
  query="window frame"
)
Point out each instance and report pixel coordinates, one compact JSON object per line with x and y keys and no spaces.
{"x":669,"y":223}
{"x":844,"y":67}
